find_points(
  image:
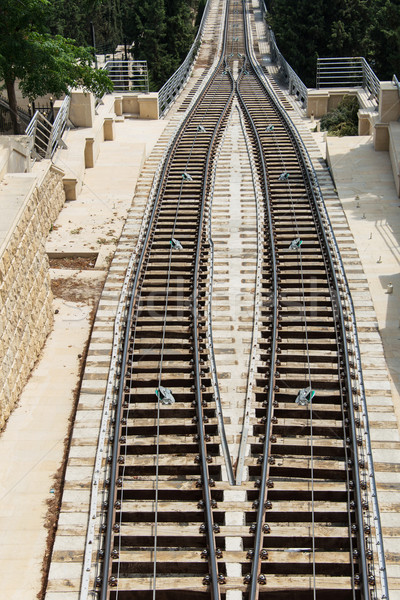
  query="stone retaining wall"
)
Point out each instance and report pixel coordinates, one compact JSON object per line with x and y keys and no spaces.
{"x":26,"y":314}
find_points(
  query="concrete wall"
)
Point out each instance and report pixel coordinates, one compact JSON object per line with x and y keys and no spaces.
{"x":394,"y":152}
{"x":26,"y":313}
{"x":15,"y":154}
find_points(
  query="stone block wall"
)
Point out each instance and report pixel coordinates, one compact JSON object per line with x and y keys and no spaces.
{"x":26,"y":313}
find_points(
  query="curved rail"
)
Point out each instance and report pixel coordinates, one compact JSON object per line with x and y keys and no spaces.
{"x":118,"y":411}
{"x":271,"y":384}
{"x":329,"y":253}
{"x":311,"y":179}
{"x":203,"y":453}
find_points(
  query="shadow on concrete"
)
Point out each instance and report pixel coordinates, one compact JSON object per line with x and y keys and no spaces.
{"x":391,"y":333}
{"x":374,"y":219}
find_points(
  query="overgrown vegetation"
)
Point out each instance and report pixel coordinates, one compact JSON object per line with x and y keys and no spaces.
{"x":315,"y":28}
{"x":343,"y":120}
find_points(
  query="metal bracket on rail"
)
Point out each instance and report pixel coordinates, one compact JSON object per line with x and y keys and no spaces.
{"x":305,"y":396}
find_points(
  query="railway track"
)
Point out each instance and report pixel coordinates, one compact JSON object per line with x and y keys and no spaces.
{"x":287,"y":514}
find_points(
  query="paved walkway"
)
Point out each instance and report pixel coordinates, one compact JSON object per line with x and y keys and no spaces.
{"x":364,"y":180}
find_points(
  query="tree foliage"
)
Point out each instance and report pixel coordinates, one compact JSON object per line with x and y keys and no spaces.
{"x":162,"y":32}
{"x":309,"y":29}
{"x":41,"y":62}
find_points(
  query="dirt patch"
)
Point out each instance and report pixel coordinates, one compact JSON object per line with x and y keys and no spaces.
{"x":74,"y":289}
{"x":72,"y":262}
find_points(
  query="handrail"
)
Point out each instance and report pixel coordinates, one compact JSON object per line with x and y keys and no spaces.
{"x":274,"y":336}
{"x":172,"y":88}
{"x":348,"y":71}
{"x":296,"y":86}
{"x":128,"y":75}
{"x":47,"y":137}
{"x":396,"y":82}
{"x":59,"y":126}
{"x":22,"y":114}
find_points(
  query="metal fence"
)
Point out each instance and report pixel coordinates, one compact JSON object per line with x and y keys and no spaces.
{"x":396,"y":82}
{"x":349,"y":71}
{"x":47,"y":136}
{"x":296,"y":87}
{"x":128,"y":75}
{"x":172,"y":88}
{"x":6,"y":124}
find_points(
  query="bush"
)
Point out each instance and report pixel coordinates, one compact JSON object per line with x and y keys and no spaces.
{"x":343,"y":120}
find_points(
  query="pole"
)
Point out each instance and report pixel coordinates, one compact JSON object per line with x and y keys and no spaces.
{"x":93,"y":42}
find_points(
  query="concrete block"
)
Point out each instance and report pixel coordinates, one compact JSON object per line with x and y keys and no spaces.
{"x":317,"y":103}
{"x":81,"y":112}
{"x":70,"y":188}
{"x":89,"y":153}
{"x":381,"y":136}
{"x":118,"y":106}
{"x":148,"y":105}
{"x":130,"y":104}
{"x":367,"y":118}
{"x":389,"y":102}
{"x":109,"y":129}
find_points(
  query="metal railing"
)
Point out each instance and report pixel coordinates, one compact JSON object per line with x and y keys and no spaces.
{"x":349,"y":71}
{"x":128,"y":75}
{"x":396,"y":82}
{"x":47,"y":137}
{"x":296,"y":86}
{"x":6,"y":125}
{"x":172,"y":88}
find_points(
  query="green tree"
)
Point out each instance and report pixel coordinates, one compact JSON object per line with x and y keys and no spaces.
{"x":70,"y":19}
{"x":108,"y":23}
{"x":180,"y":18}
{"x":162,"y":32}
{"x":300,"y":33}
{"x":384,"y":38}
{"x":145,"y":23}
{"x":41,"y":62}
{"x":347,"y":22}
{"x":307,"y":30}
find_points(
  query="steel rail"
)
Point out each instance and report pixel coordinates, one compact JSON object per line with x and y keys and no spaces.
{"x":271,"y":383}
{"x":209,"y":520}
{"x":307,"y":168}
{"x":118,"y":410}
{"x":214,"y":376}
{"x":274,"y":335}
{"x":320,"y":201}
{"x":371,"y":472}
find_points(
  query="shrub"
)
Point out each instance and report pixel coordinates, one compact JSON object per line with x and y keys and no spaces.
{"x":343,"y":120}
